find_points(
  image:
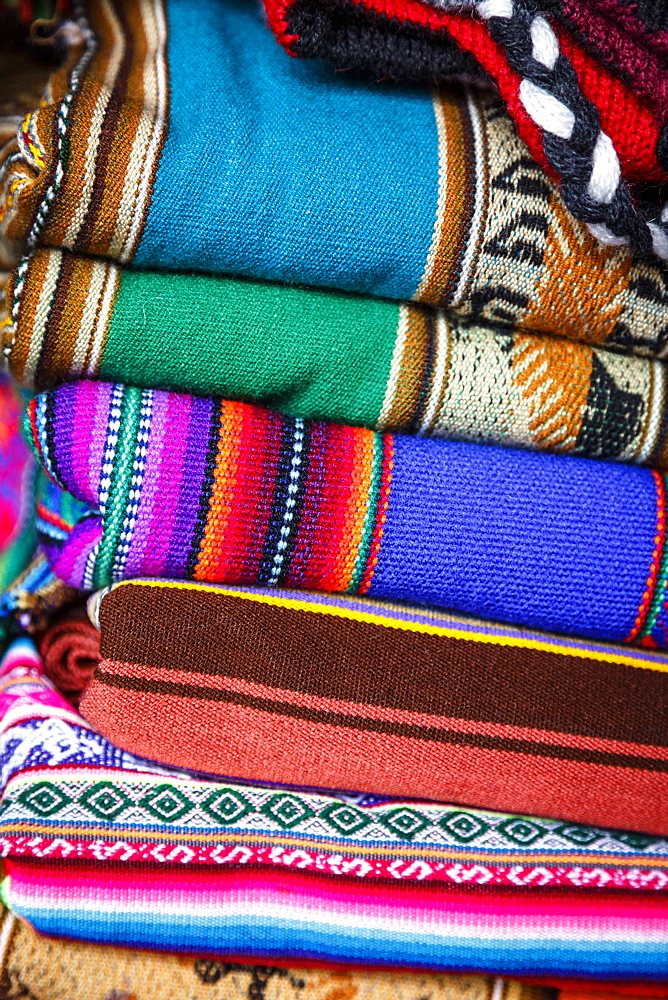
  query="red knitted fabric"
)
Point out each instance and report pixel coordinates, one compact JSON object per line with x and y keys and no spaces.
{"x":630,"y":123}
{"x":471,"y":35}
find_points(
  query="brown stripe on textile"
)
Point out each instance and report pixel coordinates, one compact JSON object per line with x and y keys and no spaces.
{"x":147,"y":21}
{"x":455,"y":200}
{"x":411,"y":374}
{"x":31,"y":295}
{"x":433,"y":734}
{"x":336,"y":657}
{"x":131,"y":161}
{"x":267,"y":746}
{"x":19,"y":207}
{"x":63,"y":318}
{"x":480,"y":212}
{"x":103,"y":185}
{"x":117,"y":134}
{"x":85,"y":124}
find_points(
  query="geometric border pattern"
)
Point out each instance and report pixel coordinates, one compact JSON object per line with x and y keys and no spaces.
{"x":76,"y":799}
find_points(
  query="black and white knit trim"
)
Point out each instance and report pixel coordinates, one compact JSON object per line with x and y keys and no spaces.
{"x":580,"y":152}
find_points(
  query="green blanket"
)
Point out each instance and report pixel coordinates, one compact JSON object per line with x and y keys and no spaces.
{"x":334,"y":356}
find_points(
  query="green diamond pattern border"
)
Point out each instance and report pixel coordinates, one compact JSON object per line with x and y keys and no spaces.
{"x":463,"y":826}
{"x":583,"y":836}
{"x":226,"y":806}
{"x":404,"y":822}
{"x":345,"y":819}
{"x":105,"y":800}
{"x":44,"y":798}
{"x":521,"y":830}
{"x":286,"y":810}
{"x":167,"y":803}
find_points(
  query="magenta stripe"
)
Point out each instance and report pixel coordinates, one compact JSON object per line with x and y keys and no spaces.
{"x":186,"y":527}
{"x":590,"y":914}
{"x":70,"y":562}
{"x":98,"y":435}
{"x":174,"y":424}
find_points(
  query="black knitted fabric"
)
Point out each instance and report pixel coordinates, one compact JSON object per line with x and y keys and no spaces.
{"x":653,"y":13}
{"x":351,"y":37}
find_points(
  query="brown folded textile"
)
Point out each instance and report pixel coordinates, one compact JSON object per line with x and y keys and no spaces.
{"x":70,"y":649}
{"x":342,"y":692}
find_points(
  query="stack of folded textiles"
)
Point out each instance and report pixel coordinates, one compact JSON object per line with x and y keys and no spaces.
{"x":350,"y":412}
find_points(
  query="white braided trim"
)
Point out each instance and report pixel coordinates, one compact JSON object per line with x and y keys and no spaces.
{"x":659,"y":240}
{"x":546,"y":110}
{"x":545,"y":44}
{"x":606,"y":172}
{"x":495,"y":8}
{"x":603,"y":235}
{"x":556,"y":118}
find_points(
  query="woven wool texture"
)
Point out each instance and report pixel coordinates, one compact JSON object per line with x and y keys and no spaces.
{"x":33,"y":596}
{"x":70,"y":651}
{"x":398,"y":194}
{"x":353,"y":37}
{"x":40,"y":969}
{"x":402,"y":702}
{"x":169,"y":485}
{"x":577,"y":118}
{"x":51,"y":969}
{"x":348,"y":359}
{"x":108,"y":848}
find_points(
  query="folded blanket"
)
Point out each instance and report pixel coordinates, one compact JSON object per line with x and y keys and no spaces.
{"x":41,"y":969}
{"x":48,"y":968}
{"x":345,"y":358}
{"x":167,"y":485}
{"x":326,"y":691}
{"x":577,"y":117}
{"x":69,"y":647}
{"x":104,"y":847}
{"x":397,"y":194}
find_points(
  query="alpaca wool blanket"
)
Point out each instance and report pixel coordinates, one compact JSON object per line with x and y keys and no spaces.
{"x":101,"y":846}
{"x":579,"y":119}
{"x":45,"y":969}
{"x":343,"y":358}
{"x":346,"y":692}
{"x":396,"y":194}
{"x":158,"y":484}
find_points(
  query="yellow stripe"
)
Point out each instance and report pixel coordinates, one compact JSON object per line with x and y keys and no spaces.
{"x":515,"y":642}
